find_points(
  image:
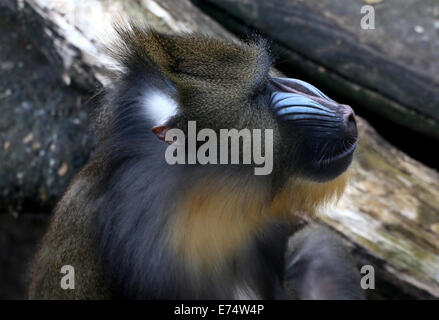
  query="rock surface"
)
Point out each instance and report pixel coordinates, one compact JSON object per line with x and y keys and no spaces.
{"x":44,"y":136}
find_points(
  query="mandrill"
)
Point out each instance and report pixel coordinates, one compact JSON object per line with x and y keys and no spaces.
{"x":134,"y":226}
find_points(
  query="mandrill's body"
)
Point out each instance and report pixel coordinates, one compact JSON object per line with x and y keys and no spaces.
{"x":134,"y":226}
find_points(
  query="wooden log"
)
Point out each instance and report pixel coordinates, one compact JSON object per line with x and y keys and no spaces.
{"x":390,"y":212}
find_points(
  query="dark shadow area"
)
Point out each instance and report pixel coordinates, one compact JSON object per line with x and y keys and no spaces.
{"x":17,"y":248}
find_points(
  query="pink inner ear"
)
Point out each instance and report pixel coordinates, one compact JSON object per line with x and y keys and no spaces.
{"x":160,"y":132}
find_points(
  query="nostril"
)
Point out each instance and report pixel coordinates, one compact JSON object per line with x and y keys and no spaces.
{"x":349,"y":120}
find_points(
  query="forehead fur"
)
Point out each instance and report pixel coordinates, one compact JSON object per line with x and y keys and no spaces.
{"x":195,"y":57}
{"x":205,"y":71}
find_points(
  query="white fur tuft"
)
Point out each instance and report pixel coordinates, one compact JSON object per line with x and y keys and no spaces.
{"x":159,"y":106}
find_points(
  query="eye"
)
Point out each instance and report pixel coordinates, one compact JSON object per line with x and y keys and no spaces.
{"x":261,"y":89}
{"x":261,"y":95}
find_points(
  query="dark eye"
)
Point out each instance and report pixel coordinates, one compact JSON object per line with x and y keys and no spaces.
{"x":261,"y":89}
{"x":261,"y":95}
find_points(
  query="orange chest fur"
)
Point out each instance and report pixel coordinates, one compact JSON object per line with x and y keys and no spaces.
{"x":217,"y":220}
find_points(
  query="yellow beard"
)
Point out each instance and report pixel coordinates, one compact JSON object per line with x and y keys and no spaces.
{"x":217,"y":218}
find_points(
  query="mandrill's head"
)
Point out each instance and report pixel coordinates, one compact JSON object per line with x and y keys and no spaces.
{"x":225,"y":85}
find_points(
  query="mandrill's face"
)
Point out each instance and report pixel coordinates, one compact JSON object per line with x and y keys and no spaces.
{"x":319,"y":134}
{"x":225,"y":85}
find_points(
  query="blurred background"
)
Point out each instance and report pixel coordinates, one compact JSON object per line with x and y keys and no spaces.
{"x":379,"y":56}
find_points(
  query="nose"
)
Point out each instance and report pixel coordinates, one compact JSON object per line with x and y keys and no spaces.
{"x":349,"y":122}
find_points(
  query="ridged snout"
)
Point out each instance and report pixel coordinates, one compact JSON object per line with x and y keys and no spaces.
{"x":301,"y":105}
{"x":324,"y":132}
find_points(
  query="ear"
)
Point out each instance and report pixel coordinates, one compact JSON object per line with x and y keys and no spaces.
{"x":160,"y":132}
{"x":161,"y":109}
